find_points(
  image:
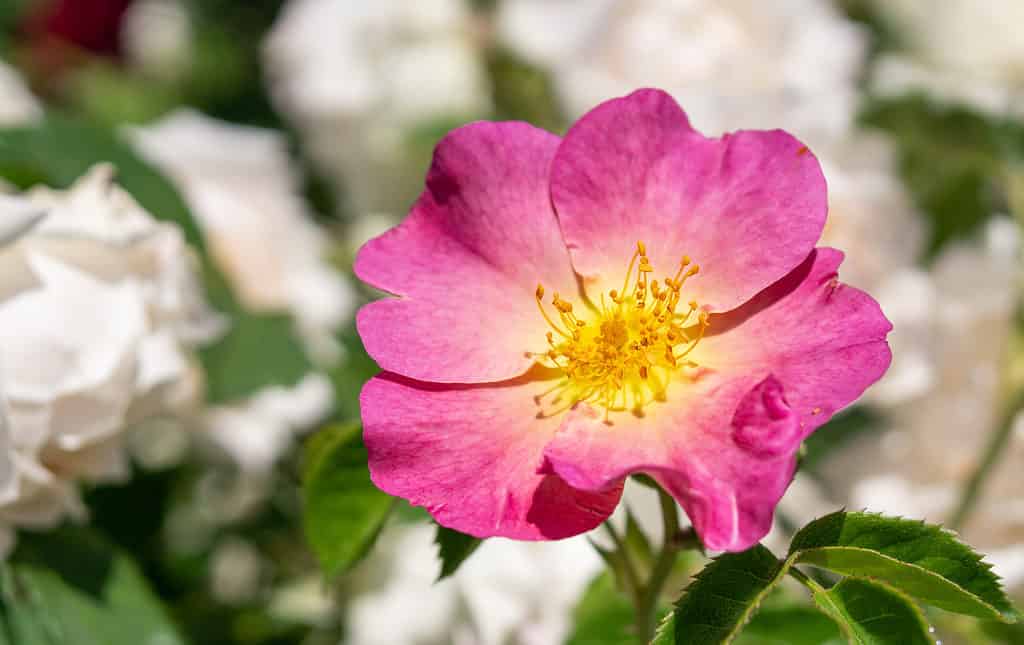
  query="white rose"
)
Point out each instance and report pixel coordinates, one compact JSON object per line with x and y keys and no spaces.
{"x":357,"y":77}
{"x":17,"y":105}
{"x":730,"y":63}
{"x":966,"y":52}
{"x":243,"y":191}
{"x":99,"y":307}
{"x":257,"y":431}
{"x":506,"y":592}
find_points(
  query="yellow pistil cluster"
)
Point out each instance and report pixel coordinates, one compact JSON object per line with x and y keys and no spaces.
{"x":623,"y":356}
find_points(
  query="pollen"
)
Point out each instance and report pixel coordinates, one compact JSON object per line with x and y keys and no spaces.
{"x":622,"y":355}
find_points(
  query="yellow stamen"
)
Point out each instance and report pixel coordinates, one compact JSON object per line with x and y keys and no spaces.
{"x":624,"y":357}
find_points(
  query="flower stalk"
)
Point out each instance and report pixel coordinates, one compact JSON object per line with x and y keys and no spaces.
{"x":674,"y":541}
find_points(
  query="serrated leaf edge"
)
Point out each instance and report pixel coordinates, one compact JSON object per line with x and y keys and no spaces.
{"x":938,"y":579}
{"x":781,"y":569}
{"x":1010,"y":616}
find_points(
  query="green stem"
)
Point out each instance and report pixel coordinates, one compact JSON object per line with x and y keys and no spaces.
{"x":993,"y":451}
{"x":647,"y":599}
{"x":629,"y":570}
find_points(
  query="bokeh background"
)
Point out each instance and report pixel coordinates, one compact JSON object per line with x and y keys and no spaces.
{"x":264,"y":141}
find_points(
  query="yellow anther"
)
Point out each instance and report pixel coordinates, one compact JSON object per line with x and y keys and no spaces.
{"x":693,"y":270}
{"x":626,"y":356}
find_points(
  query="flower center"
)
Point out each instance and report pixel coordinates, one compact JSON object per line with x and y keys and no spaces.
{"x":624,"y":355}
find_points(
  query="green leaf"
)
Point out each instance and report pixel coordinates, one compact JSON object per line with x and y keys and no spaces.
{"x":793,"y":625}
{"x":872,"y":613}
{"x":344,"y":511}
{"x":454,"y":548}
{"x":257,"y":351}
{"x":721,"y":599}
{"x":951,"y":159}
{"x":922,"y":560}
{"x":604,"y":615}
{"x":72,"y":588}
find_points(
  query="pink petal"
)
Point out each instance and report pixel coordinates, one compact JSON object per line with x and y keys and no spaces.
{"x":747,"y":207}
{"x":470,"y":454}
{"x":467,"y":261}
{"x":724,"y":443}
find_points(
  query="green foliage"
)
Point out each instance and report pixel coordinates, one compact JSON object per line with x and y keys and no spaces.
{"x":453,"y":549}
{"x":721,"y":599}
{"x":872,"y":613}
{"x":953,"y":161}
{"x":257,"y":351}
{"x":522,"y":92}
{"x":71,"y":587}
{"x":922,"y":560}
{"x":604,"y":615}
{"x":344,"y":511}
{"x":886,"y":560}
{"x":794,"y":625}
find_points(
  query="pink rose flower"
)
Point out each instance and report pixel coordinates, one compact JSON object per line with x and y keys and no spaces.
{"x":631,"y":298}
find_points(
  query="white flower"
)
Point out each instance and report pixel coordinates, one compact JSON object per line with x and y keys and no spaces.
{"x":242,"y":189}
{"x":731,"y":63}
{"x":99,"y":307}
{"x":157,"y":37}
{"x":357,"y":77}
{"x":506,"y":592}
{"x":966,"y":52}
{"x":17,"y":105}
{"x":257,"y":431}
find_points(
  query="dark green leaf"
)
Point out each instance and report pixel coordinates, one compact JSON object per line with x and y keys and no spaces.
{"x":721,"y":599}
{"x":257,"y":351}
{"x":792,"y":625}
{"x":72,"y":588}
{"x":344,"y":511}
{"x":604,"y":616}
{"x":922,"y":560}
{"x":872,"y":613}
{"x":454,"y":548}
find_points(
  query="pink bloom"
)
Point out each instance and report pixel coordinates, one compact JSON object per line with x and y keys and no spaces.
{"x":685,"y":325}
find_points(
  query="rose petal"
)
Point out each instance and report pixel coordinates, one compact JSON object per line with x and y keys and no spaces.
{"x":470,"y":454}
{"x":747,"y":207}
{"x":467,"y":261}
